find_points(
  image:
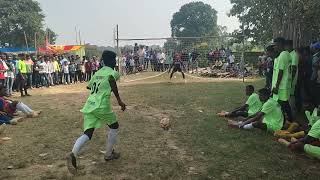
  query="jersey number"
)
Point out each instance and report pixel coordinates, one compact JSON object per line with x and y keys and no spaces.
{"x":95,"y":88}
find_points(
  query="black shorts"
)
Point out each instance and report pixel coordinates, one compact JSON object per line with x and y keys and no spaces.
{"x":177,"y":68}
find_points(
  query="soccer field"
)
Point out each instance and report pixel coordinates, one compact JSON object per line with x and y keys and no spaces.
{"x":199,"y":145}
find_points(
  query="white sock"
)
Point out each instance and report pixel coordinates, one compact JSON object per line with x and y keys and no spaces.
{"x":24,"y":108}
{"x":111,"y":140}
{"x":248,"y":126}
{"x":79,"y":143}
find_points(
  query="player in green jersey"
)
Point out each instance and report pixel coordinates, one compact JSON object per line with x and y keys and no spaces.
{"x":98,"y":111}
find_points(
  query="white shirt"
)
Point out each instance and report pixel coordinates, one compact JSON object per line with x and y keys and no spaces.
{"x":5,"y":67}
{"x":131,"y":62}
{"x":43,"y":67}
{"x":231,"y":59}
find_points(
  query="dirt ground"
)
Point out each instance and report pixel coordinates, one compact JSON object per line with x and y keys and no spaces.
{"x":38,"y":147}
{"x":199,"y":145}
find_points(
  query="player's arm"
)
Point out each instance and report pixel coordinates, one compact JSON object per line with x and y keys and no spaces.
{"x":280,"y":75}
{"x":114,"y":89}
{"x":255,"y":118}
{"x":242,"y":108}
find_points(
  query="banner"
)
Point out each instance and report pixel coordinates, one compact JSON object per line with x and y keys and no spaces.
{"x":17,"y":50}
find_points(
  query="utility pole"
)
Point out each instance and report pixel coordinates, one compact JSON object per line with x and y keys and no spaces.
{"x":118,"y":51}
{"x":243,"y":52}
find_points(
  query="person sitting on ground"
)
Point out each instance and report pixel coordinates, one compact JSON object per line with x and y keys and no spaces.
{"x":250,"y":108}
{"x":309,"y":144}
{"x":6,"y":119}
{"x":10,"y":107}
{"x":270,"y":117}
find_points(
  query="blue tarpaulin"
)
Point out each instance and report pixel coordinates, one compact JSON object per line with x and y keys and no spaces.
{"x":17,"y":50}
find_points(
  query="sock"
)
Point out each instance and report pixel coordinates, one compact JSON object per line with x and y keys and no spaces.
{"x":111,"y":140}
{"x":24,"y":108}
{"x":248,"y":126}
{"x":79,"y":143}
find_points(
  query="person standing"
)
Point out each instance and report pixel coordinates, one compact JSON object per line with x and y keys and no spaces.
{"x":10,"y":76}
{"x":36,"y":75}
{"x":315,"y":76}
{"x":88,"y":69}
{"x":65,"y":69}
{"x":3,"y":69}
{"x":72,"y":72}
{"x":281,"y":80}
{"x":78,"y":69}
{"x":50,"y":71}
{"x":270,"y":57}
{"x":16,"y":85}
{"x":294,"y":72}
{"x":29,"y":65}
{"x":56,"y":71}
{"x":42,"y":72}
{"x":23,"y":76}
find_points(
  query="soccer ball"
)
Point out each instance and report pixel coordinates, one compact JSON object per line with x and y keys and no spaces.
{"x":165,"y":123}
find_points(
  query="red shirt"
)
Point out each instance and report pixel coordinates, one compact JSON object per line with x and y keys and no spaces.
{"x":2,"y":69}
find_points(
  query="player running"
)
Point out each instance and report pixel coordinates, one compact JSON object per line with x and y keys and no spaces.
{"x":177,"y":65}
{"x":97,"y":110}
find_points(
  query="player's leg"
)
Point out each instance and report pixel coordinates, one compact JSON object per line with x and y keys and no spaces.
{"x":183,"y":75}
{"x":313,"y":151}
{"x":173,"y":71}
{"x":234,"y":114}
{"x":72,"y":157}
{"x":111,"y":141}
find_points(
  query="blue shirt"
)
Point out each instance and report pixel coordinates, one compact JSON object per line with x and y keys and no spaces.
{"x":15,"y":62}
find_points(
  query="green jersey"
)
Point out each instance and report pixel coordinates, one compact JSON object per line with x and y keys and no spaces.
{"x":99,"y":99}
{"x":254,"y":104}
{"x":282,"y":62}
{"x":273,"y":116}
{"x":315,"y":130}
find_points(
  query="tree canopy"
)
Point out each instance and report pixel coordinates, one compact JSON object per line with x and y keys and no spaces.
{"x":194,"y":19}
{"x":292,"y":19}
{"x":22,"y":16}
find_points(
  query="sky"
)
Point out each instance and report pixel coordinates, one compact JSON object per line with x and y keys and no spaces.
{"x":97,"y":19}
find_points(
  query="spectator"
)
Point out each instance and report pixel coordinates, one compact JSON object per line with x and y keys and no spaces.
{"x":88,"y":69}
{"x":50,"y":71}
{"x":72,"y":72}
{"x":315,"y":76}
{"x":29,"y":66}
{"x":3,"y":69}
{"x":23,"y":76}
{"x":10,"y":76}
{"x":78,"y":62}
{"x":270,"y":57}
{"x":43,"y":72}
{"x":57,"y":71}
{"x":65,"y":70}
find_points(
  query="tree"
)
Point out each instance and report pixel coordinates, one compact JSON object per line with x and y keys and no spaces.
{"x":19,"y":17}
{"x":292,"y":19}
{"x":194,"y":19}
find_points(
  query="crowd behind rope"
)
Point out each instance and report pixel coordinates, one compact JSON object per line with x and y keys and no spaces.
{"x":142,"y":58}
{"x":21,"y":72}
